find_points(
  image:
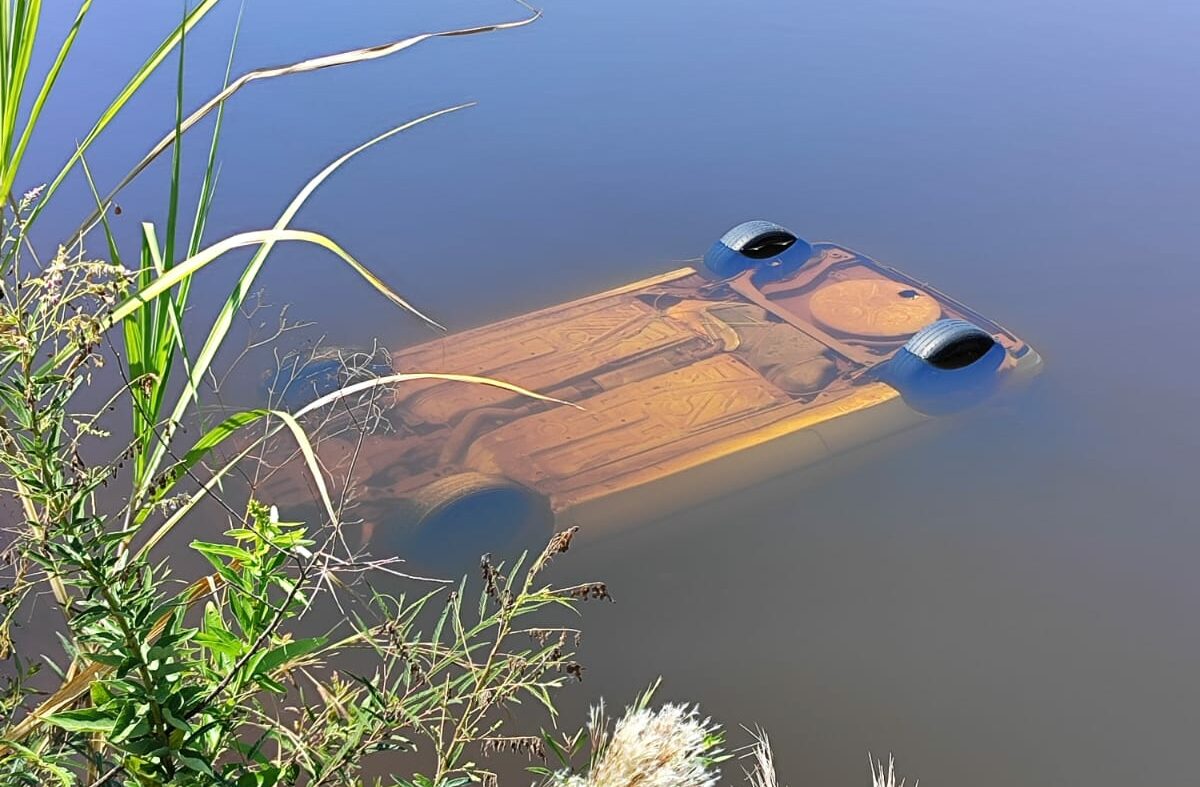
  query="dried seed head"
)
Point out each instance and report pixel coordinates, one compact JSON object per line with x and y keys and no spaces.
{"x":561,"y":541}
{"x":492,"y":578}
{"x":588,"y":591}
{"x":530,"y":746}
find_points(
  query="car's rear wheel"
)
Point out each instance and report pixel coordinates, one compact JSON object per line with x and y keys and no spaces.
{"x":950,"y":344}
{"x":460,"y":517}
{"x":754,"y":244}
{"x":946,"y":366}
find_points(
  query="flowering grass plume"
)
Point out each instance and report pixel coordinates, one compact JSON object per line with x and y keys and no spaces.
{"x":885,"y":777}
{"x":762,"y":767}
{"x":672,"y":746}
{"x":668,"y":747}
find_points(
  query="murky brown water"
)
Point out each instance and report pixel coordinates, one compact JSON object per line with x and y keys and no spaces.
{"x":1008,"y":600}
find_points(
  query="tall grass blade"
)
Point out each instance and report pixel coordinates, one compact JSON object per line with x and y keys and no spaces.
{"x":118,"y":103}
{"x":348,"y":57}
{"x":226,"y":429}
{"x":11,"y":163}
{"x":245,"y":283}
{"x":176,"y":156}
{"x":209,"y":184}
{"x":161,"y":326}
{"x":144,"y":297}
{"x":21,"y":30}
{"x":114,"y":252}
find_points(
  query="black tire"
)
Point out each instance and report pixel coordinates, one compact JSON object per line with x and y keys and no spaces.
{"x":754,"y":244}
{"x":947,"y":366}
{"x":458,"y":518}
{"x":950,"y":344}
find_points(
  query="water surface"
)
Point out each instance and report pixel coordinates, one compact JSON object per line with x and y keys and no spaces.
{"x":1007,"y":601}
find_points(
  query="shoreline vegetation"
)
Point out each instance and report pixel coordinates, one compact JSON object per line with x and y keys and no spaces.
{"x":154,"y":676}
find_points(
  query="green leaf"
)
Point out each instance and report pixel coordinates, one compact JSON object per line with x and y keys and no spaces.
{"x":174,"y":721}
{"x":202,"y":448}
{"x":99,"y":693}
{"x":222,"y":550}
{"x":85,"y":720}
{"x":284,"y":653}
{"x":194,"y":761}
{"x":107,"y":659}
{"x":128,"y":720}
{"x":270,"y":684}
{"x":65,"y":777}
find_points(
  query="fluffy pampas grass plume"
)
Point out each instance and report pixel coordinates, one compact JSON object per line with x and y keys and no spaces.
{"x":668,"y":747}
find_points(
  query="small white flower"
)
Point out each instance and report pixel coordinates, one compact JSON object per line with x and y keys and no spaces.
{"x":30,"y":197}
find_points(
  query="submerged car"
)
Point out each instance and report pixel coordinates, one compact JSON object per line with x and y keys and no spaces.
{"x":772,"y":354}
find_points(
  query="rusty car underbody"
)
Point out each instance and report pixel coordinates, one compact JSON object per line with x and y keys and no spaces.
{"x":686,"y":387}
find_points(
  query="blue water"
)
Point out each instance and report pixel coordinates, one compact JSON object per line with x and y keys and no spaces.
{"x":1010,"y":600}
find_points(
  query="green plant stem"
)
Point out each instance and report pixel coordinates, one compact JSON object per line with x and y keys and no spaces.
{"x":217,"y":690}
{"x":133,"y":646}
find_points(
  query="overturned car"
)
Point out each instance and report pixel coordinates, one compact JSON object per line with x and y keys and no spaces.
{"x":771,"y":355}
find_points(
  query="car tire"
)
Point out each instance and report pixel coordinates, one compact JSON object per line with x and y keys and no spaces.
{"x":755,"y":244}
{"x":947,"y":366}
{"x":460,"y":517}
{"x":950,"y":344}
{"x":302,"y":377}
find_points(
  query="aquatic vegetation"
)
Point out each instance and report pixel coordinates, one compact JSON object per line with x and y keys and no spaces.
{"x":162,"y":676}
{"x":668,"y":746}
{"x":220,"y":678}
{"x":881,"y":777}
{"x":762,"y":762}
